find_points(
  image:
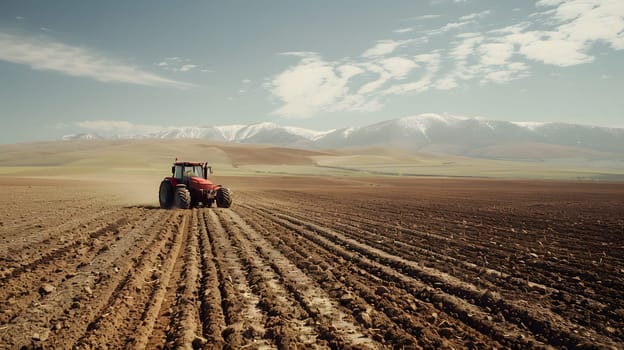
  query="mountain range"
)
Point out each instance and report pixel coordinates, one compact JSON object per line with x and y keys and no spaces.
{"x":433,"y":133}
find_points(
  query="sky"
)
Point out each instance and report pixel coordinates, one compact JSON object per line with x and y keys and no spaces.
{"x":135,"y":66}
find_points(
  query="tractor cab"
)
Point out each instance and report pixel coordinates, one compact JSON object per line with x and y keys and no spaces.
{"x":183,"y":172}
{"x":188,"y":186}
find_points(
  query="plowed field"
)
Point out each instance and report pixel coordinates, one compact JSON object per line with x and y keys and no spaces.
{"x":316,"y":263}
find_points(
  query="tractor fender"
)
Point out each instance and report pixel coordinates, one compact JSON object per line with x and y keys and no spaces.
{"x":171,"y":180}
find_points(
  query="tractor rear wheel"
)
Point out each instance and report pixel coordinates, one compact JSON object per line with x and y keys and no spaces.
{"x":224,"y":197}
{"x":165,"y":195}
{"x":183,"y":198}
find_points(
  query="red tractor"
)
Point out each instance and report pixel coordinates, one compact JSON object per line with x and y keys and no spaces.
{"x":189,"y":185}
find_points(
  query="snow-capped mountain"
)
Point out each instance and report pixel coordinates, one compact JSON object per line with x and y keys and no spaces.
{"x":81,"y":136}
{"x":473,"y":136}
{"x":268,"y":133}
{"x":426,"y":132}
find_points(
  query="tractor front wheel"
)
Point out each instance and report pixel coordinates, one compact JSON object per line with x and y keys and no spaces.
{"x":224,"y":198}
{"x":183,"y":198}
{"x":165,"y":195}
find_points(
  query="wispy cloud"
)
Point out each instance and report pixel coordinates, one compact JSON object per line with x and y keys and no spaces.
{"x":427,"y":17}
{"x":432,"y":64}
{"x":116,"y":127}
{"x":472,"y":18}
{"x":404,"y":30}
{"x":384,"y":47}
{"x":44,"y":53}
{"x":315,"y":84}
{"x":561,"y":33}
{"x":187,"y":67}
{"x":476,"y":15}
{"x":179,"y":64}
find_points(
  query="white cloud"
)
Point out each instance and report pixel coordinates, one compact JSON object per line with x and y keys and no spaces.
{"x":298,"y":53}
{"x":432,"y":65}
{"x":384,"y":47}
{"x":466,"y":47}
{"x":422,"y":17}
{"x":387,"y":69}
{"x":404,"y":30}
{"x":428,"y":17}
{"x":356,"y":103}
{"x":179,"y":64}
{"x":554,"y":48}
{"x":562,"y":34}
{"x":383,"y":77}
{"x":42,"y":53}
{"x":246,"y":81}
{"x":577,"y":25}
{"x":187,"y":67}
{"x":421,"y":85}
{"x":454,"y":25}
{"x":117,"y":127}
{"x":447,"y":83}
{"x":313,"y":84}
{"x":476,"y":15}
{"x":462,"y":22}
{"x":496,"y":53}
{"x":398,"y":67}
{"x":19,"y":18}
{"x":500,"y":76}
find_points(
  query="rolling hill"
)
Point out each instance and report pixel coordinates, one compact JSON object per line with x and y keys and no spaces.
{"x":429,"y":133}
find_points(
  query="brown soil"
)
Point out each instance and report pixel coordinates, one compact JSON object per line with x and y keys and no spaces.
{"x":316,"y":263}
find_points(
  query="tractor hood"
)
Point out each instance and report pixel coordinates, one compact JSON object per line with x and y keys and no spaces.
{"x":200,"y":183}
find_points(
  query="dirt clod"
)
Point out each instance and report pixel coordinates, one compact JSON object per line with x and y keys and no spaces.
{"x":46,"y":289}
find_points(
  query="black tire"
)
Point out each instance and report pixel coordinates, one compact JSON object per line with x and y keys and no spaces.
{"x":208,"y":203}
{"x":165,"y":195}
{"x":224,"y":198}
{"x":183,"y":198}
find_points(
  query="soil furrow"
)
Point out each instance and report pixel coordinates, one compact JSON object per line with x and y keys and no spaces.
{"x":211,"y":312}
{"x":288,"y":321}
{"x":336,"y":325}
{"x":124,"y":304}
{"x":19,"y":289}
{"x":542,"y":322}
{"x":315,"y":262}
{"x":62,"y":315}
{"x":42,"y":240}
{"x":162,"y":281}
{"x":186,"y":330}
{"x":245,"y":320}
{"x":450,"y":303}
{"x":44,"y":254}
{"x":398,"y":305}
{"x":482,"y":276}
